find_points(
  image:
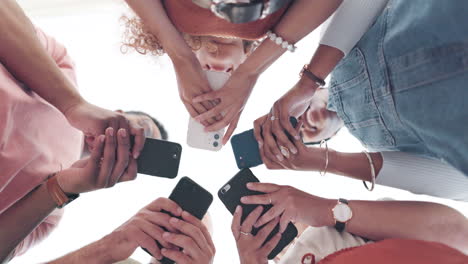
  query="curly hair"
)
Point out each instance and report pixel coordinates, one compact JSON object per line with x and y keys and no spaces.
{"x":137,"y":36}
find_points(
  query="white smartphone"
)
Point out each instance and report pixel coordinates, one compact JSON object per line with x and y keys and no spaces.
{"x":196,"y":135}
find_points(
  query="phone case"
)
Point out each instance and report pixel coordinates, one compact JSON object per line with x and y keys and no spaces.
{"x":231,"y":193}
{"x":245,"y":148}
{"x":196,"y":135}
{"x":160,"y":158}
{"x":192,"y":198}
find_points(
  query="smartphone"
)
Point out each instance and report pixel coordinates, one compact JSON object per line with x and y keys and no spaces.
{"x":231,"y":193}
{"x":245,"y":147}
{"x":192,"y":198}
{"x":196,"y":135}
{"x":160,"y":158}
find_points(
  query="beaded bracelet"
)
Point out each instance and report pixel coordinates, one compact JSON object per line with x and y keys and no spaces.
{"x":280,"y":41}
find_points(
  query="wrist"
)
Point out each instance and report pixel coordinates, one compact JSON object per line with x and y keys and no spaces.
{"x":307,"y":87}
{"x":65,"y":185}
{"x":71,"y":102}
{"x":326,"y":216}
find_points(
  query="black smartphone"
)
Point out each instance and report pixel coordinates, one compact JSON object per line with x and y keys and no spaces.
{"x":192,"y":198}
{"x":245,"y":147}
{"x":231,"y":193}
{"x":160,"y":158}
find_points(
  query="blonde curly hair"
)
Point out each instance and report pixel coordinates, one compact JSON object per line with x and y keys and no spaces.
{"x":137,"y":37}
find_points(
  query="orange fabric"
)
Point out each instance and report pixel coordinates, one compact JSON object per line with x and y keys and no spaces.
{"x":399,"y":251}
{"x":194,"y":20}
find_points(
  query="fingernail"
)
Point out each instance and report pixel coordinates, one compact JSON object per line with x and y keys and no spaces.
{"x":102,"y":138}
{"x":166,"y":234}
{"x":279,"y":157}
{"x":123,"y":132}
{"x":174,"y":220}
{"x":250,"y":185}
{"x":111,"y":131}
{"x":238,"y":209}
{"x":244,"y":199}
{"x":136,"y":155}
{"x":297,"y":137}
{"x":285,"y":152}
{"x":294,"y":150}
{"x":179,"y":211}
{"x":260,"y":144}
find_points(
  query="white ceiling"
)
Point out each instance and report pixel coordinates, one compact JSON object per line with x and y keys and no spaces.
{"x":65,"y":7}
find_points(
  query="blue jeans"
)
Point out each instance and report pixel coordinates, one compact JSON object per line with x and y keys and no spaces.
{"x":404,"y":87}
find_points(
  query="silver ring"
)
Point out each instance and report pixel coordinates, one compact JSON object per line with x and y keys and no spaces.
{"x":269,"y":198}
{"x":273,"y":118}
{"x":245,"y":234}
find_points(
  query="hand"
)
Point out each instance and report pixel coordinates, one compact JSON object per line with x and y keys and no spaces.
{"x":291,"y":205}
{"x":93,"y":120}
{"x":233,"y":97}
{"x":193,"y":236}
{"x":109,"y":163}
{"x":319,"y":122}
{"x":294,"y":103}
{"x":192,"y":82}
{"x":143,"y":230}
{"x":251,"y":249}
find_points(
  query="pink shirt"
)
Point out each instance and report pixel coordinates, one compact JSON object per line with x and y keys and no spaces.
{"x":35,"y":139}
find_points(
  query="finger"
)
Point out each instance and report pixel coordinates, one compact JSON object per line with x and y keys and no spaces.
{"x":158,"y":218}
{"x":177,"y":256}
{"x":266,"y":231}
{"x":190,"y":230}
{"x":154,"y":232}
{"x":256,"y":199}
{"x":271,"y":149}
{"x":183,"y":241}
{"x":139,"y":139}
{"x":222,"y":123}
{"x":258,"y":130}
{"x":198,"y":223}
{"x":231,"y":128}
{"x":165,"y":204}
{"x":285,"y":123}
{"x":108,"y":159}
{"x":270,"y":245}
{"x":131,"y":173}
{"x":210,"y":96}
{"x":263,"y":187}
{"x":236,"y":222}
{"x":208,"y":106}
{"x":97,"y":151}
{"x":248,"y":223}
{"x":286,"y":218}
{"x":270,"y":164}
{"x":283,"y":140}
{"x":200,"y":109}
{"x":148,"y":243}
{"x":271,"y":214}
{"x":123,"y":156}
{"x":210,"y":114}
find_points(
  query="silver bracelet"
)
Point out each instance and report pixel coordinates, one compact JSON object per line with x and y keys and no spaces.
{"x":324,"y":142}
{"x":280,"y":41}
{"x":372,"y":168}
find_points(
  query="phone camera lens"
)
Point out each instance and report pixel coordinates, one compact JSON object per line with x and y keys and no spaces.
{"x":174,"y":156}
{"x":216,"y":136}
{"x":215,"y":144}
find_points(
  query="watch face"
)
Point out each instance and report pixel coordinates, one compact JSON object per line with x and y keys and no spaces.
{"x":342,"y":212}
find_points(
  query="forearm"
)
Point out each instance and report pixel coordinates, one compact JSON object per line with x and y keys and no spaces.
{"x":378,"y":220}
{"x":95,"y":253}
{"x":354,"y":165}
{"x":303,"y":17}
{"x":158,"y":23}
{"x":24,"y":56}
{"x":20,"y":220}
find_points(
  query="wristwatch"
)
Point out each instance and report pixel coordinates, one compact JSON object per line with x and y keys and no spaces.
{"x":342,"y":213}
{"x":58,"y":195}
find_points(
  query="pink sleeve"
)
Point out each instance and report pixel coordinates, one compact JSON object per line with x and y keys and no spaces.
{"x":59,"y":54}
{"x":41,"y":232}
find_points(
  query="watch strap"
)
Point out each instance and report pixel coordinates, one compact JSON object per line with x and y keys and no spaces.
{"x":305,"y":71}
{"x":57,"y":194}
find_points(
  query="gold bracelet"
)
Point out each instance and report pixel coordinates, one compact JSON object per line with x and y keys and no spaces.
{"x":372,"y":168}
{"x":326,"y":157}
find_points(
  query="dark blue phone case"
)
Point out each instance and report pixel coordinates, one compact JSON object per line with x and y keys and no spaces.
{"x":245,"y":148}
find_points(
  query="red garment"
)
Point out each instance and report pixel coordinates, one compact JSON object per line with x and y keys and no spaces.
{"x":194,"y":20}
{"x":401,"y":251}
